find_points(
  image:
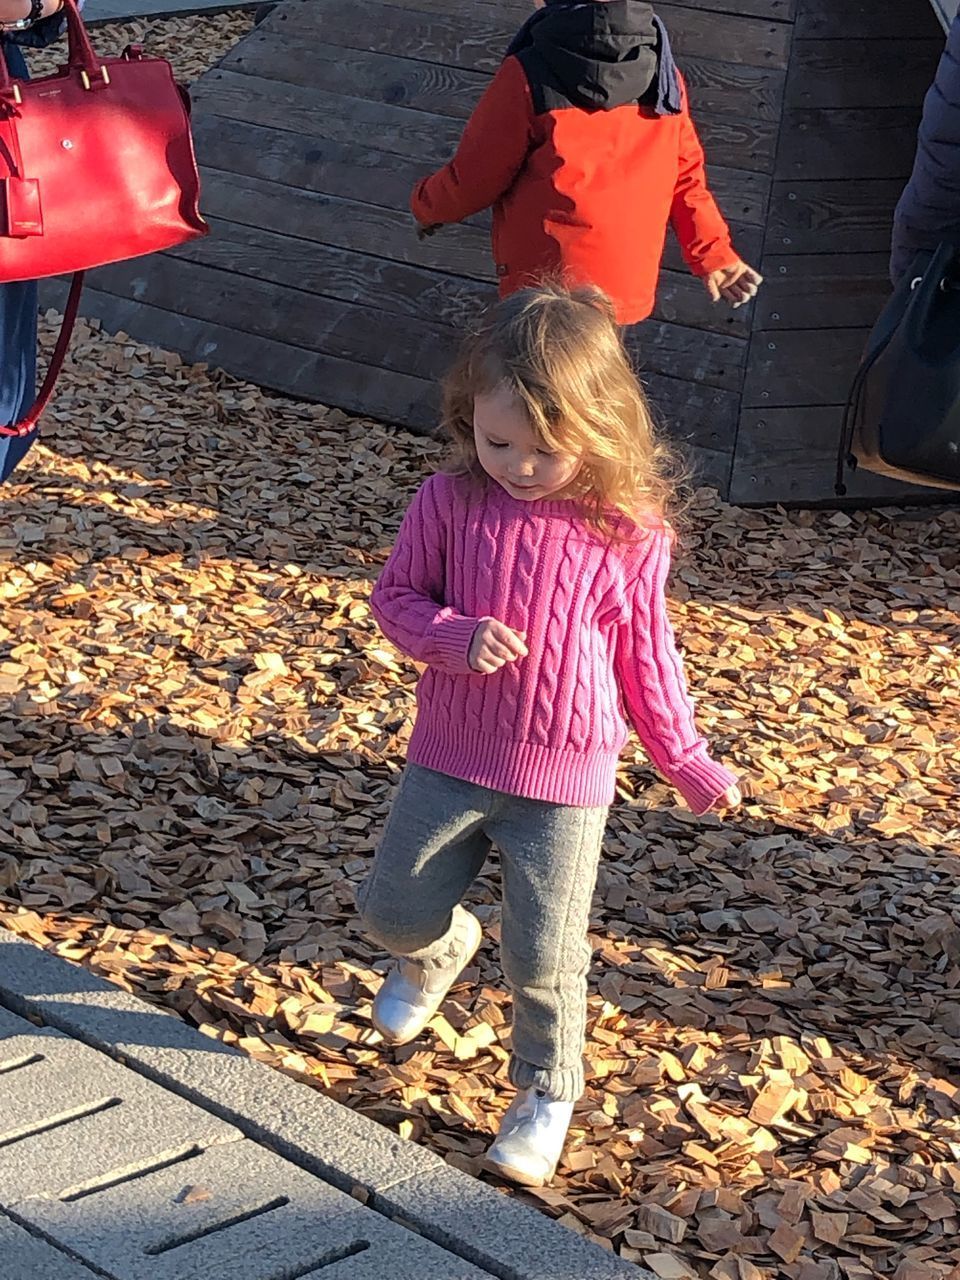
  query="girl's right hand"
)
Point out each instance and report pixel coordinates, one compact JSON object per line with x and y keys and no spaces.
{"x":494,"y":644}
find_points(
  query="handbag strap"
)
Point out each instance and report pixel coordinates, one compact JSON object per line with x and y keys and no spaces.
{"x":29,"y":423}
{"x":81,"y":56}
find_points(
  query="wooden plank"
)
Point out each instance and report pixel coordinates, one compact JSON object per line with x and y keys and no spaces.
{"x":822,"y":291}
{"x":789,"y":456}
{"x":468,"y":38}
{"x":710,"y":467}
{"x":774,"y":10}
{"x":801,"y":367}
{"x":421,"y":349}
{"x":743,"y":196}
{"x":741,"y":143}
{"x":316,"y":112}
{"x":682,"y":299}
{"x":370,"y":391}
{"x":345,"y":224}
{"x":848,"y":143}
{"x":378,"y":77}
{"x":861,"y":73}
{"x":864,"y":19}
{"x":722,"y":88}
{"x":394,"y":288}
{"x":518,"y":10}
{"x":699,"y":417}
{"x":715,"y":89}
{"x":689,"y":355}
{"x":832,"y":217}
{"x":349,"y":170}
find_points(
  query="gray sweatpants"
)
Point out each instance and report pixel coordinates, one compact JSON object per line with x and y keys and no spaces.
{"x":435,"y":843}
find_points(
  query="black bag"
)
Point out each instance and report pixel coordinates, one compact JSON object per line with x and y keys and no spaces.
{"x":903,"y":414}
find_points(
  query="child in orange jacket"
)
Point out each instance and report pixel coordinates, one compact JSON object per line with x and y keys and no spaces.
{"x":584,"y":146}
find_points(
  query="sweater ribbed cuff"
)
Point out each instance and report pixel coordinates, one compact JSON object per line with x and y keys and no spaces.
{"x":701,"y":781}
{"x":450,"y":640}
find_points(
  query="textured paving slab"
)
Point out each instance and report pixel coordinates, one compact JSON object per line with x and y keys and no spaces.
{"x":22,"y":1257}
{"x":68,"y":1114}
{"x":236,"y":1210}
{"x":466,"y":1229}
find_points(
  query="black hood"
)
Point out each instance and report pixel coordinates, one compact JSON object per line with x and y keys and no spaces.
{"x":601,"y":54}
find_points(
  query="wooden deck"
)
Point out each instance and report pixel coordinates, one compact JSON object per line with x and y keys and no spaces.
{"x":312,"y":131}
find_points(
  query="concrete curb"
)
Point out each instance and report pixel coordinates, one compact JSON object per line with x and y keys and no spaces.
{"x":398,"y":1179}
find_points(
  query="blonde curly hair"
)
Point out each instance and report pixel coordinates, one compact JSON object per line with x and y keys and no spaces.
{"x":559,"y":352}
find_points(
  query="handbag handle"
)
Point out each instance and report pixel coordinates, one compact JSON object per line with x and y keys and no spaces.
{"x":81,"y":56}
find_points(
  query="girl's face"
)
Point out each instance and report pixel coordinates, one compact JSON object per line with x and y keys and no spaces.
{"x":511,"y":453}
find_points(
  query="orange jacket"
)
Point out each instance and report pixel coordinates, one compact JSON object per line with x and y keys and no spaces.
{"x":580,"y":192}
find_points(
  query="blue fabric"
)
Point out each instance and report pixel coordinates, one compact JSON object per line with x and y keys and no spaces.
{"x":18,"y":302}
{"x":18,"y":337}
{"x":929,"y":209}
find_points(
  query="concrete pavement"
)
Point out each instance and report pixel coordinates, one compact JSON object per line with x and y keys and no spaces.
{"x":134,"y":1148}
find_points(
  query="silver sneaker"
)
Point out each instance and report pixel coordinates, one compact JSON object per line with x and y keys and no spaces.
{"x":530,"y":1142}
{"x":413,"y":991}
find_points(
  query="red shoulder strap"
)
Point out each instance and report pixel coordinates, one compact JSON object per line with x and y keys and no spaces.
{"x":29,"y":423}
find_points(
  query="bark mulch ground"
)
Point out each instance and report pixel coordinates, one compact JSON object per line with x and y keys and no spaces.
{"x":200,"y":729}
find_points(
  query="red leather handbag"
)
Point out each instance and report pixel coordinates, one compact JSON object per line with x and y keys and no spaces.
{"x":96,"y":165}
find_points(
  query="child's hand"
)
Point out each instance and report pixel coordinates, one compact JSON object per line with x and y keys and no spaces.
{"x":494,"y":644}
{"x":730,"y":799}
{"x":735,"y":284}
{"x":426,"y":229}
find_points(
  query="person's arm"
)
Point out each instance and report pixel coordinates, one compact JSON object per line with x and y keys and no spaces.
{"x":929,"y":208}
{"x":701,"y":228}
{"x":651,"y":679}
{"x":492,"y":150}
{"x":409,"y":599}
{"x":45,"y":30}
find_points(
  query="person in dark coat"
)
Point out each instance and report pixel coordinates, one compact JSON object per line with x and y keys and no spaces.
{"x":929,"y":209}
{"x":32,"y":25}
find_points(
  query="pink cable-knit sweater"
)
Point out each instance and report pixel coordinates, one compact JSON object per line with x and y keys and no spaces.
{"x":549,"y":726}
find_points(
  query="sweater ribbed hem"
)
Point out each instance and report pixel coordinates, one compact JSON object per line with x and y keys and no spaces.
{"x":516,"y":768}
{"x":701,"y":781}
{"x":450,"y":640}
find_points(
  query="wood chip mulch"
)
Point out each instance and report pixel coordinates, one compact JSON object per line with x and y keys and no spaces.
{"x":191,"y":42}
{"x":200,"y":729}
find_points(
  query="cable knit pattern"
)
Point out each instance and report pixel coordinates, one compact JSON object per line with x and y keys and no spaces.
{"x":549,"y":726}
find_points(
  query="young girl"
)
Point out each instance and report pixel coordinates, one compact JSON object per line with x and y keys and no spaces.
{"x":529,"y":579}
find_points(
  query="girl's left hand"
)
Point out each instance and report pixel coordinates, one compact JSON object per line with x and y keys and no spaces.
{"x":730,"y":799}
